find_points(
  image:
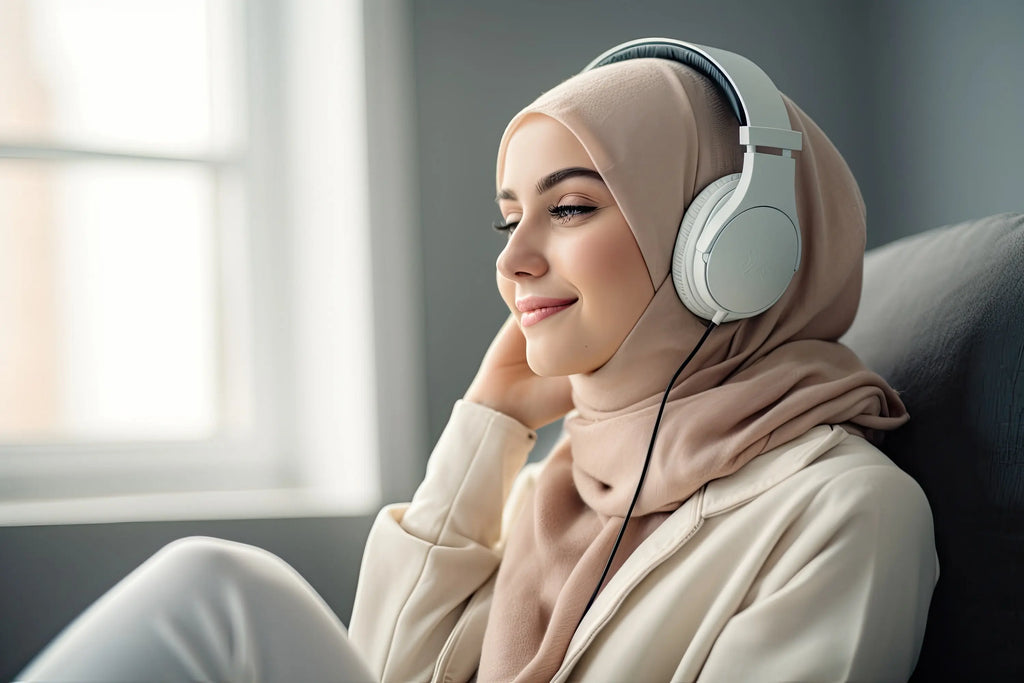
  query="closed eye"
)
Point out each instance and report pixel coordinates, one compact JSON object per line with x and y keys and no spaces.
{"x":562,"y":213}
{"x":566,"y":212}
{"x":506,"y":227}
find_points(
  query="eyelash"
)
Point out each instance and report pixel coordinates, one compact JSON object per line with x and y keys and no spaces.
{"x":562,"y":213}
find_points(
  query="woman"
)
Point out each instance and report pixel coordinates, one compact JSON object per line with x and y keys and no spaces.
{"x":770,"y":540}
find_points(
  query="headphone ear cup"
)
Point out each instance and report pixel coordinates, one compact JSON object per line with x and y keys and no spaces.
{"x":705,"y":205}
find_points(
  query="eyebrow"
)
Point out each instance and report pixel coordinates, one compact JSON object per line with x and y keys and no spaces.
{"x":552,"y":179}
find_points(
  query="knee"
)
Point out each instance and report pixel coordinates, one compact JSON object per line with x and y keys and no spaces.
{"x":202,"y":557}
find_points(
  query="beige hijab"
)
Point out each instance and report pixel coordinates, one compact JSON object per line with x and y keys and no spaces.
{"x":658,"y":133}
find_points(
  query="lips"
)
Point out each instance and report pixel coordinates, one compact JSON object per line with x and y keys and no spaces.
{"x":537,"y":308}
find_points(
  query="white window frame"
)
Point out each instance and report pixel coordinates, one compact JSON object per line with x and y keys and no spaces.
{"x":292,"y":463}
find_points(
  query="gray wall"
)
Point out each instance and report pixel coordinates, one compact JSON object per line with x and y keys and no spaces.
{"x":923,"y":99}
{"x":944,"y":132}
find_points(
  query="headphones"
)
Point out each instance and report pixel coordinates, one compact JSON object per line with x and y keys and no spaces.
{"x":738,"y":245}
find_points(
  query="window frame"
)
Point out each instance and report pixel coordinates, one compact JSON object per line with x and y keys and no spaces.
{"x":267,"y":472}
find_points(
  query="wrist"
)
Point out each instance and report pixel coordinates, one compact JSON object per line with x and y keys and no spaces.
{"x":479,"y":399}
{"x":495,"y":403}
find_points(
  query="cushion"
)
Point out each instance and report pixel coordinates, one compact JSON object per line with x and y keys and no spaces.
{"x":942,"y":319}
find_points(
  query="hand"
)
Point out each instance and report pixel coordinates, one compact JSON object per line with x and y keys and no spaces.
{"x":506,"y":383}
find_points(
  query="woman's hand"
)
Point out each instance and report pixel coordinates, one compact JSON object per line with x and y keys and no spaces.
{"x":506,"y":383}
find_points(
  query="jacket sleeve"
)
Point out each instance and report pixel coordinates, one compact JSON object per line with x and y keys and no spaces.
{"x":425,"y":559}
{"x":854,"y":604}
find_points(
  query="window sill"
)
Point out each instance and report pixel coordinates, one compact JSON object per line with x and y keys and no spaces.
{"x":249,"y":504}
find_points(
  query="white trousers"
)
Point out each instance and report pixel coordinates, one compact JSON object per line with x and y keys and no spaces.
{"x":204,"y":609}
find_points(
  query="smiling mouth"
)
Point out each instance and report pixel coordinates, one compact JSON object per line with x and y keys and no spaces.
{"x":535,"y":309}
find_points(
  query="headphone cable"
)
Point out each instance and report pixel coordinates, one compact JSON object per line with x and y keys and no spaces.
{"x":643,"y":473}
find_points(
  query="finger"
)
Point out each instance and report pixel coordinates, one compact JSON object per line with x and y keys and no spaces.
{"x":509,"y":343}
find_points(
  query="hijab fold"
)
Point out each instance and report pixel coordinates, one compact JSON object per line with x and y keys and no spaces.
{"x":658,"y":133}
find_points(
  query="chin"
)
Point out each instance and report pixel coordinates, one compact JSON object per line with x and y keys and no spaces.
{"x":545,"y":369}
{"x":543,"y":364}
{"x":547,"y":364}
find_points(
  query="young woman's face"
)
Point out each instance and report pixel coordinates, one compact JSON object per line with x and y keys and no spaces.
{"x":571,"y":273}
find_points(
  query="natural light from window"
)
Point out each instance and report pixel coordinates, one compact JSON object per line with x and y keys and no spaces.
{"x":186,"y":316}
{"x":108,"y":276}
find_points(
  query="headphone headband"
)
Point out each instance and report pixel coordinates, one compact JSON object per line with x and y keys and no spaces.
{"x":747,"y":88}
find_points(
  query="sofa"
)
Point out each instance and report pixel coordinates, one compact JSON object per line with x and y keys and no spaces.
{"x":942,"y":319}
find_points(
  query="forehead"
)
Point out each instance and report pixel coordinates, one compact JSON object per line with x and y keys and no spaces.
{"x":538,"y":146}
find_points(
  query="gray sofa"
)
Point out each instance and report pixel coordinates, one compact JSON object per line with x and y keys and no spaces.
{"x":942,"y":318}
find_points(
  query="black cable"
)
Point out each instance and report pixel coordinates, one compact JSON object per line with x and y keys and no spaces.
{"x":643,"y":473}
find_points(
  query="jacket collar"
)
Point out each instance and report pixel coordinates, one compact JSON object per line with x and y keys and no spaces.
{"x":768,"y":469}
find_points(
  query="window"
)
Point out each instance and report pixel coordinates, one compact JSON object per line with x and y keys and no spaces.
{"x":186,"y":297}
{"x":122,"y":143}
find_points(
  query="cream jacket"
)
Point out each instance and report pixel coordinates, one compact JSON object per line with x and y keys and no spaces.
{"x":814,"y":562}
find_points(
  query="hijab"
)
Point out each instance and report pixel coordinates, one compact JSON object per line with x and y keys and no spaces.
{"x":658,"y":132}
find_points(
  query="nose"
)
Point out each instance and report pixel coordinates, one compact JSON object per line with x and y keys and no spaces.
{"x":523,"y":255}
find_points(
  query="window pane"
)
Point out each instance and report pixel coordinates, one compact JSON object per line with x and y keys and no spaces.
{"x":108,"y":295}
{"x":153,"y":74}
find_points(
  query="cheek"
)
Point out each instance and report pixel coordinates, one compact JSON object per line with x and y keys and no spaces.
{"x":611,"y":270}
{"x":599,"y":261}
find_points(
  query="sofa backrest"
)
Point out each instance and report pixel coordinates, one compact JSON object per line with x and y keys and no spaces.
{"x":942,"y":319}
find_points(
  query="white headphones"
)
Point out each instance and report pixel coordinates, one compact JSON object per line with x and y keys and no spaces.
{"x":739,"y":242}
